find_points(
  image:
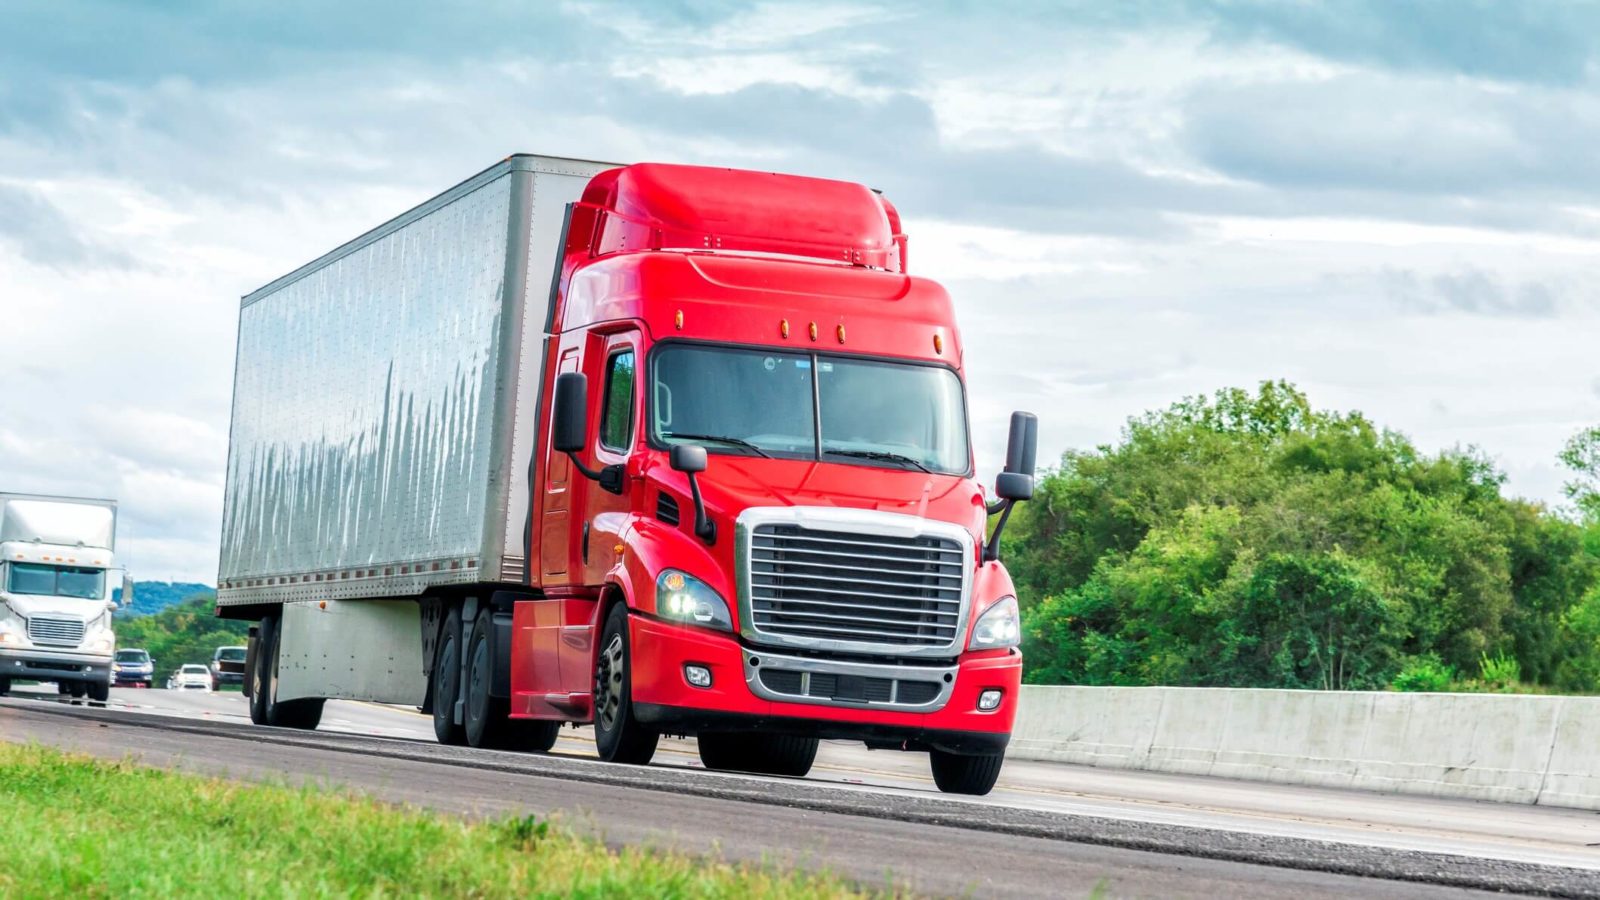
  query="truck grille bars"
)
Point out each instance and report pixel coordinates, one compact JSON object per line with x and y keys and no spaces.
{"x":827,"y":585}
{"x":55,"y":631}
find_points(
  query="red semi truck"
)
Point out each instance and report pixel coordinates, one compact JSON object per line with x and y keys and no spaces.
{"x":659,"y":449}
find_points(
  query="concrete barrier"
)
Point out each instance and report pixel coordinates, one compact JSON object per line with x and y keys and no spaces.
{"x":1517,"y":749}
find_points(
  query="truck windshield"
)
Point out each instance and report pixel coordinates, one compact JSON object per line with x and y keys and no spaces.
{"x":797,"y":405}
{"x":56,"y":581}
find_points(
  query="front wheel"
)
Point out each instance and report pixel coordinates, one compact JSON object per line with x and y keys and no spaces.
{"x":617,"y":734}
{"x":5,"y":686}
{"x":956,"y":774}
{"x":763,"y":754}
{"x":77,"y":689}
{"x":100,"y":691}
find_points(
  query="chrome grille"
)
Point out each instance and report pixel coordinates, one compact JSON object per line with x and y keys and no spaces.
{"x":831,"y":585}
{"x":57,"y":631}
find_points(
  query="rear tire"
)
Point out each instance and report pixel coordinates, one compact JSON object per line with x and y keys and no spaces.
{"x":618,"y":736}
{"x":260,"y":673}
{"x":446,"y":682}
{"x":534,"y":735}
{"x":488,"y":718}
{"x":100,"y":691}
{"x":955,"y":774}
{"x":762,"y":754}
{"x":265,"y":707}
{"x":304,"y":713}
{"x":5,"y":686}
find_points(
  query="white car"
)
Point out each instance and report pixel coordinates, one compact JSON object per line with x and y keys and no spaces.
{"x":192,"y":677}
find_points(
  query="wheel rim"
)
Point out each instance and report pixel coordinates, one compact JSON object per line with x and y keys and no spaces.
{"x":477,"y":688}
{"x":444,"y":687}
{"x":609,"y":678}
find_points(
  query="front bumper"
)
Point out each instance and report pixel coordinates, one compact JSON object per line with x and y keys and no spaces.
{"x":53,"y":665}
{"x":143,"y":678}
{"x":663,"y":697}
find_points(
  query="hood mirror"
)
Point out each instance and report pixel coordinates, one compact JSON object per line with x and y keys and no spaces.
{"x":690,"y":459}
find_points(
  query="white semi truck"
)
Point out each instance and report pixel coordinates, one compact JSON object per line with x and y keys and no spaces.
{"x":56,"y":554}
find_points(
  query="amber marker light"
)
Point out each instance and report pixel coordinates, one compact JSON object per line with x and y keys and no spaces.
{"x":673,"y":581}
{"x":678,"y":320}
{"x":841,"y":334}
{"x":813,"y":331}
{"x":938,"y":344}
{"x":783,"y":328}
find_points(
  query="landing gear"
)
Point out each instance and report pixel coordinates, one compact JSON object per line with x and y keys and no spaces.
{"x":617,"y":734}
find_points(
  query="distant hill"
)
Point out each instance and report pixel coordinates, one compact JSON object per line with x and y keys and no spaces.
{"x":151,"y":597}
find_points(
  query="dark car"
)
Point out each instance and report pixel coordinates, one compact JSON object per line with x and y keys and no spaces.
{"x":133,"y":668}
{"x":227,"y":667}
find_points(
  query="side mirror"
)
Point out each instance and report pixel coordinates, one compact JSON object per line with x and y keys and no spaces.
{"x":1023,"y":444}
{"x":127,"y":591}
{"x":689,"y":458}
{"x":569,"y":413}
{"x":1015,"y":483}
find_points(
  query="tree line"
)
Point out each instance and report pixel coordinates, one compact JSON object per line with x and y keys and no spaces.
{"x":185,"y":632}
{"x":1247,"y":539}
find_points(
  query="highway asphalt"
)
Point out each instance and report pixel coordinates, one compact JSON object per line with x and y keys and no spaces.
{"x":1049,"y":829}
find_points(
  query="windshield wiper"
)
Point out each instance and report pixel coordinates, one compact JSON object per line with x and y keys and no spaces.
{"x":880,"y":454}
{"x":737,"y":442}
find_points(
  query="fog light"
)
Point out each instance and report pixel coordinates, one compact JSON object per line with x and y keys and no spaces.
{"x":699,"y":676}
{"x":989,"y":700}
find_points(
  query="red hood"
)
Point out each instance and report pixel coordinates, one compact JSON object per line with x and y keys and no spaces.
{"x":734,"y":483}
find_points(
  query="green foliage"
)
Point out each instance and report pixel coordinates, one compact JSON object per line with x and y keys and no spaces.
{"x":1582,"y":456}
{"x":1248,"y":539}
{"x":185,"y":633}
{"x":1500,"y":672}
{"x":79,"y":827}
{"x":1425,"y":674}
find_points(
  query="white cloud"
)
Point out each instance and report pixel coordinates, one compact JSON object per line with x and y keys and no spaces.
{"x":1128,"y":207}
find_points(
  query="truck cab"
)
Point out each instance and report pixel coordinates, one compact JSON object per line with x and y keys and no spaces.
{"x":773,"y":475}
{"x":55,"y":603}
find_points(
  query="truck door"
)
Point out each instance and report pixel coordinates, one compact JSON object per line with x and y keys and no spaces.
{"x":612,"y":367}
{"x":617,"y":418}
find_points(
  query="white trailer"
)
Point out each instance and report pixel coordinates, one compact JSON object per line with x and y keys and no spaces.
{"x":55,"y":601}
{"x":384,"y":410}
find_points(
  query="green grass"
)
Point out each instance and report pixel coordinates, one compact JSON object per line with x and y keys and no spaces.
{"x":76,"y":826}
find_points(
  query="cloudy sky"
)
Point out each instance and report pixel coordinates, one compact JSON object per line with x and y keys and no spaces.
{"x":1395,"y":205}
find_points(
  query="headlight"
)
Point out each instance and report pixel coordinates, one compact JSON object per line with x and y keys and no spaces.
{"x":103,"y":645}
{"x":999,"y":626}
{"x":682,"y":597}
